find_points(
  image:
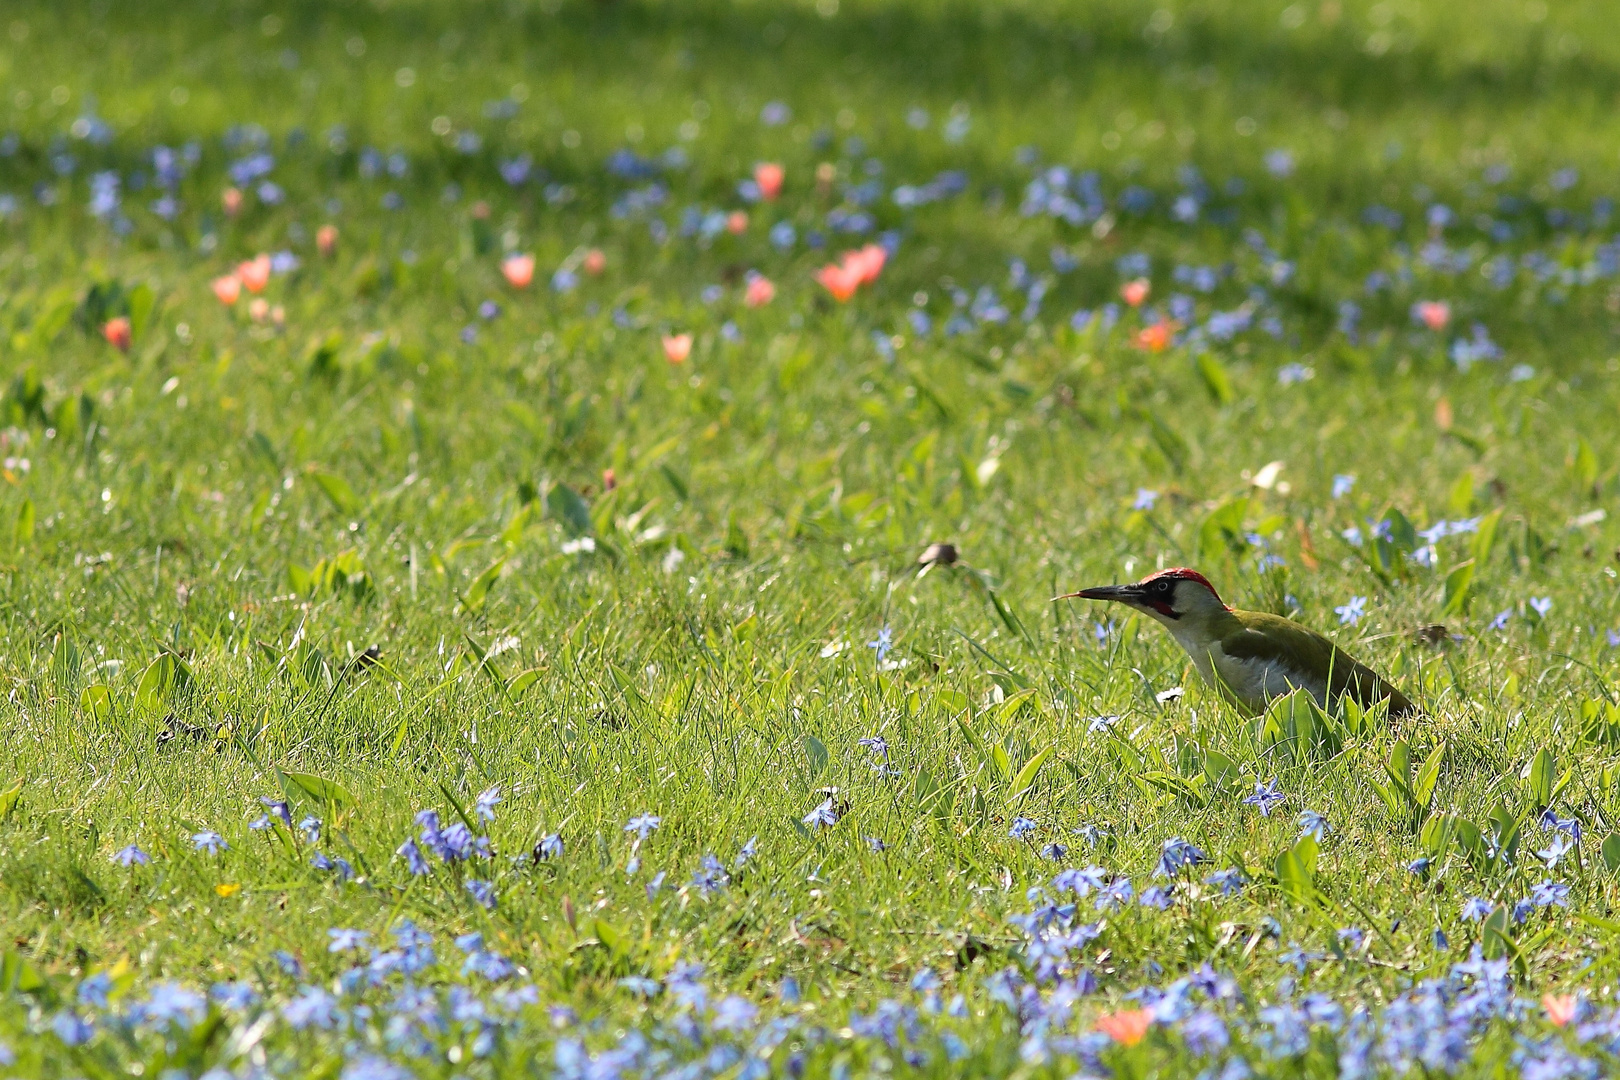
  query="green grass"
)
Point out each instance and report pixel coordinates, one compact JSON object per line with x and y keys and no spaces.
{"x":165,"y":540}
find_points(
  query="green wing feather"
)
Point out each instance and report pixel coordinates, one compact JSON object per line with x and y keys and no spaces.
{"x":1261,"y":635}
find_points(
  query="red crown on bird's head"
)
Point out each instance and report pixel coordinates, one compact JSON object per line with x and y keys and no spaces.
{"x":1184,"y":573}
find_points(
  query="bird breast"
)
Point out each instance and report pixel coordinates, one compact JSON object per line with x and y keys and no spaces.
{"x":1254,"y":681}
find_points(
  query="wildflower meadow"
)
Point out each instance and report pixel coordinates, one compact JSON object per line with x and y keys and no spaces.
{"x":528,"y":531}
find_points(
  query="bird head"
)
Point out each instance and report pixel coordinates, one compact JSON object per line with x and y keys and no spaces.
{"x":1170,"y":596}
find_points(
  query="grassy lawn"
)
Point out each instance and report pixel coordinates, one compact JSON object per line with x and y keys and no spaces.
{"x":460,"y":547}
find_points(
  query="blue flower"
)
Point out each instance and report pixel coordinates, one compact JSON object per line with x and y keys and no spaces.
{"x":1476,"y":908}
{"x":1550,"y":893}
{"x":550,"y":846}
{"x":1230,"y":882}
{"x":1351,"y":613}
{"x":1155,"y":896}
{"x":209,"y":841}
{"x":1501,"y":619}
{"x":1541,"y":605}
{"x":825,"y":815}
{"x":1054,"y":852}
{"x":488,"y":799}
{"x":734,"y":1014}
{"x":1145,"y":498}
{"x":94,"y":990}
{"x":415,"y":861}
{"x":345,"y":940}
{"x":71,"y":1028}
{"x":131,"y":856}
{"x":709,"y":878}
{"x":482,"y":891}
{"x":875,"y":743}
{"x":745,"y":854}
{"x":313,"y":1007}
{"x":1021,"y":827}
{"x":1178,"y":855}
{"x":882,"y":644}
{"x":1265,"y":797}
{"x":1351,"y":937}
{"x":1313,"y":825}
{"x":233,"y":996}
{"x":643,"y":824}
{"x":1342,"y":483}
{"x":1080,"y":882}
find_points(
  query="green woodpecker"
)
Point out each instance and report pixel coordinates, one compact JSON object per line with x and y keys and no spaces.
{"x":1250,"y":657}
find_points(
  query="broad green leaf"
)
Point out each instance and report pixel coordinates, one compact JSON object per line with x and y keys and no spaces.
{"x":1222,"y":529}
{"x":1485,"y":538}
{"x":970,"y":735}
{"x":1461,"y":499}
{"x":1222,"y":771}
{"x":1537,"y":776}
{"x":1026,"y":776}
{"x":522,"y":681}
{"x":307,"y":787}
{"x":570,"y":509}
{"x":616,"y":940}
{"x":1428,"y":777}
{"x":1002,"y":763}
{"x":1609,"y":925}
{"x":9,"y":799}
{"x":1584,"y":466}
{"x":1496,"y":935}
{"x":1400,"y":766}
{"x":1455,"y":595}
{"x":1435,"y":835}
{"x":1296,"y":871}
{"x":96,"y":701}
{"x":815,"y":755}
{"x":338,"y":491}
{"x":141,"y":302}
{"x":1216,"y":380}
{"x":23,"y":530}
{"x":1012,"y":705}
{"x":163,"y":677}
{"x":1611,"y":852}
{"x":478,"y":591}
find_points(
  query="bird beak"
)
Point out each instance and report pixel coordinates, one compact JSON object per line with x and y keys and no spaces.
{"x":1122,"y":593}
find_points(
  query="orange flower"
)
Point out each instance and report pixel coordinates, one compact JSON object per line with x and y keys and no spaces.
{"x":609,"y":481}
{"x":1434,"y":313}
{"x":1126,"y":1027}
{"x":326,"y":238}
{"x":259,"y":310}
{"x":841,"y":281}
{"x":1155,"y":338}
{"x":231,"y":200}
{"x":228,"y":288}
{"x":1135,"y":292}
{"x":737,"y":222}
{"x":519,"y":270}
{"x":1560,"y":1008}
{"x":768,"y":175}
{"x":595,"y":262}
{"x":255,"y":273}
{"x":677,"y":347}
{"x":117,"y":333}
{"x":760,"y":291}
